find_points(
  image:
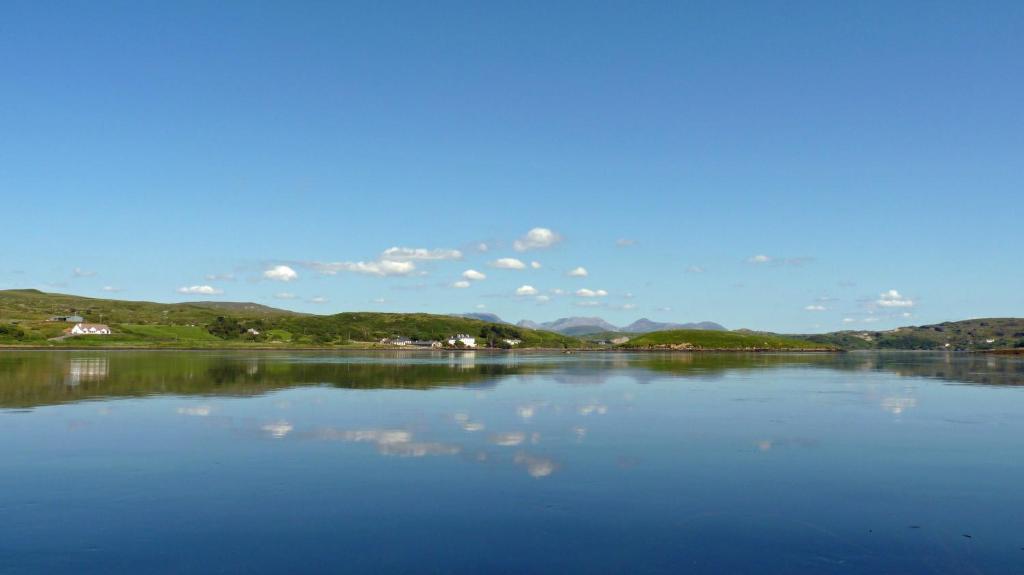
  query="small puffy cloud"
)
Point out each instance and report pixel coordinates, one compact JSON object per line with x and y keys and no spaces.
{"x":536,"y":239}
{"x":579,"y":272}
{"x":405,"y":254}
{"x":543,"y":298}
{"x":318,"y":299}
{"x":509,"y":439}
{"x":482,"y":247}
{"x":228,"y":277}
{"x":815,"y":307}
{"x":509,"y":264}
{"x":200,"y":290}
{"x":584,"y":292}
{"x":379,"y":268}
{"x":526,"y":290}
{"x":893,"y":298}
{"x":280,"y":273}
{"x":278,"y":429}
{"x":695,"y":270}
{"x":535,"y":265}
{"x":759,"y":259}
{"x":284,"y":295}
{"x":474,"y":275}
{"x":848,"y":320}
{"x":111,"y":289}
{"x":628,"y":306}
{"x":461,"y":284}
{"x":80,"y":273}
{"x":624,"y":243}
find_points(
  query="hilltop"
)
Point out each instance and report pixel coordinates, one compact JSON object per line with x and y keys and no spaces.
{"x":587,"y":326}
{"x":24,"y":314}
{"x":966,"y":335}
{"x":713,"y":340}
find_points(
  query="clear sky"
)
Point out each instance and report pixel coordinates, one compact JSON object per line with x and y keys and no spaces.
{"x":791,"y":166}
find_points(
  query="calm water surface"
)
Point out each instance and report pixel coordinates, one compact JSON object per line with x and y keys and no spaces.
{"x":171,"y":462}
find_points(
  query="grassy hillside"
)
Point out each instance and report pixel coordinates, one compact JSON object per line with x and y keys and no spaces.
{"x":967,"y":335}
{"x":698,"y":339}
{"x":23,"y":315}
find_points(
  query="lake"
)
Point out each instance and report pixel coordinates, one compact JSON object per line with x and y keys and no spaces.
{"x":438,"y":462}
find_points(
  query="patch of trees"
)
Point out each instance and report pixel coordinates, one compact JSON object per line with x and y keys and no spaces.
{"x":496,"y":334}
{"x":11,"y":332}
{"x":226,"y":328}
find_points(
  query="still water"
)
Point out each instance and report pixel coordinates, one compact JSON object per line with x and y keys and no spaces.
{"x":172,"y":462}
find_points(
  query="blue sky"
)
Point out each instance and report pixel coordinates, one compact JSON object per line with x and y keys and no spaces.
{"x":792,"y":166}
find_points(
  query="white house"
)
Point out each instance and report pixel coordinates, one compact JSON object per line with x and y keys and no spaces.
{"x":467,"y":340}
{"x":513,"y":341}
{"x":89,"y":329}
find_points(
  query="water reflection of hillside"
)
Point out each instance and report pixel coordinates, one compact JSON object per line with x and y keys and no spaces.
{"x":974,"y":369}
{"x":30,"y":379}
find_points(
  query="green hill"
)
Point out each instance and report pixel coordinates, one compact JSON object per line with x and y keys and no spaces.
{"x":711,"y":340}
{"x":23,"y":315}
{"x":967,"y":335}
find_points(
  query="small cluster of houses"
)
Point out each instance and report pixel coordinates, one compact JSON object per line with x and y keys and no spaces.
{"x":82,"y":327}
{"x":458,"y":340}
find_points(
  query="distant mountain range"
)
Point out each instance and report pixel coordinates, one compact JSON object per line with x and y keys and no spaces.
{"x":577,"y":326}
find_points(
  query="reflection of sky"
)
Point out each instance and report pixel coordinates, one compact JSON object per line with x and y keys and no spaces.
{"x":786,"y":454}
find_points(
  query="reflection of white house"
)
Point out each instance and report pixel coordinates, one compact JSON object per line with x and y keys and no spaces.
{"x":466,"y":340}
{"x":89,"y":329}
{"x":86,"y":369}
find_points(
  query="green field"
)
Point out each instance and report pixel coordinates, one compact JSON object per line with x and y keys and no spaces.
{"x":697,"y":340}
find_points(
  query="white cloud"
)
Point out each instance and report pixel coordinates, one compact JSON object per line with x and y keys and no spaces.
{"x":405,"y":254}
{"x":462,"y":284}
{"x":379,"y":268}
{"x":558,"y":291}
{"x":535,"y":265}
{"x":474,"y":275}
{"x":625,"y":242}
{"x":229,"y":277}
{"x":80,"y":273}
{"x":815,"y":307}
{"x":482,"y":247}
{"x":111,"y":289}
{"x":629,"y":306}
{"x":589,"y":303}
{"x":579,"y":272}
{"x":537,"y":467}
{"x":284,"y":295}
{"x":536,"y":239}
{"x":695,"y":270}
{"x":893,"y":298}
{"x":848,"y":320}
{"x":280,"y":273}
{"x":510,"y":439}
{"x":543,"y":298}
{"x":584,"y":292}
{"x":509,"y":264}
{"x":318,"y":299}
{"x":378,"y":300}
{"x":526,"y":290}
{"x":200,"y":290}
{"x":759,"y":259}
{"x":278,"y":429}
